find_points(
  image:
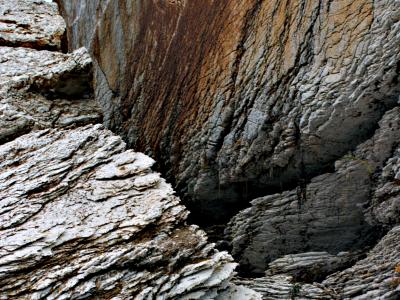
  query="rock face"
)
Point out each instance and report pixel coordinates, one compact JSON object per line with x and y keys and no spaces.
{"x":241,"y":99}
{"x":329,"y":213}
{"x":311,"y":266}
{"x":283,"y":287}
{"x":80,"y":215}
{"x":375,"y":277}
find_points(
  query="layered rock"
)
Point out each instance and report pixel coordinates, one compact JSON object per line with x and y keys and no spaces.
{"x":328,"y":214}
{"x":81,"y":216}
{"x":283,"y":287}
{"x":311,"y":266}
{"x":385,"y":208}
{"x":239,"y":99}
{"x":35,"y":24}
{"x":375,"y":277}
{"x":43,"y":89}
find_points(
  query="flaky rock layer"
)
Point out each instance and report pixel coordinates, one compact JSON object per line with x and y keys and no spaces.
{"x":43,"y":89}
{"x":81,"y":216}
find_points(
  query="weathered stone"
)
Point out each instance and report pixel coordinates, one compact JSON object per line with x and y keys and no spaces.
{"x":239,"y":292}
{"x":375,"y":277}
{"x":385,"y":206}
{"x":325,"y":215}
{"x":42,"y":89}
{"x":311,"y":266}
{"x":82,"y":217}
{"x":283,"y":287}
{"x":31,"y":23}
{"x":239,"y":99}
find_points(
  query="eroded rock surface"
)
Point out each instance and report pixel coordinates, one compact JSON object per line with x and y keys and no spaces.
{"x":311,"y":266}
{"x":328,"y":214}
{"x":375,"y":277}
{"x":240,"y":99}
{"x":31,"y":23}
{"x":82,"y":216}
{"x":43,"y":89}
{"x":385,"y":208}
{"x":284,"y":287}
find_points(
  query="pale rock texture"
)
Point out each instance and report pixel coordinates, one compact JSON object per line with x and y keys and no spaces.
{"x":43,"y":89}
{"x":239,"y":99}
{"x":328,"y":214}
{"x":81,"y":216}
{"x":31,"y":23}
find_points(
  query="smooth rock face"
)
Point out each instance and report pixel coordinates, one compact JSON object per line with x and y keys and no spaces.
{"x":43,"y":89}
{"x":31,"y":23}
{"x":328,"y":214}
{"x":82,"y":216}
{"x":240,"y":99}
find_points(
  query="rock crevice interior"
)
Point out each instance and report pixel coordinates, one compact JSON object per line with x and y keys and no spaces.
{"x":277,"y":123}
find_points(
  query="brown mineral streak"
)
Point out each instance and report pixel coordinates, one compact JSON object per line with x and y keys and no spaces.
{"x":173,"y":70}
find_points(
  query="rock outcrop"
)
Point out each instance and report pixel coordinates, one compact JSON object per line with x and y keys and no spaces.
{"x":43,"y":89}
{"x":294,"y":104}
{"x":35,"y":24}
{"x":375,"y":277}
{"x":284,"y":287}
{"x":311,"y":266}
{"x":328,"y":214}
{"x":241,"y":99}
{"x":81,"y":216}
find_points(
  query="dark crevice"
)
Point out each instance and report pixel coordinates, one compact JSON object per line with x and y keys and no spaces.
{"x":71,"y":86}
